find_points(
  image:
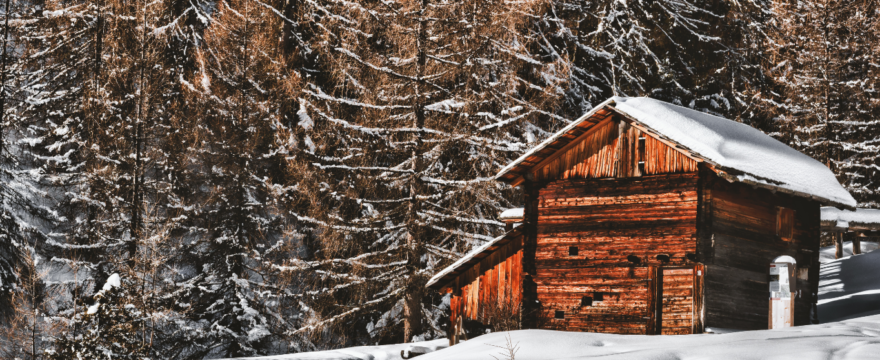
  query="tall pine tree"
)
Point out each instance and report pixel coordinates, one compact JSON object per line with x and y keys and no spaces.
{"x":420,"y":103}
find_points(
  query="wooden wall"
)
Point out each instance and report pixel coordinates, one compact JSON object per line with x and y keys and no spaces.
{"x":491,"y":290}
{"x":611,"y":222}
{"x":738,"y":241}
{"x":613,"y":149}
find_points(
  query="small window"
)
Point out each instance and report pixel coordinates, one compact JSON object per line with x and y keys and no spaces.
{"x":572,"y":251}
{"x":785,"y":223}
{"x":633,"y":259}
{"x":597,"y":296}
{"x":663,"y":258}
{"x":559,"y":314}
{"x":587,"y":301}
{"x":642,"y":154}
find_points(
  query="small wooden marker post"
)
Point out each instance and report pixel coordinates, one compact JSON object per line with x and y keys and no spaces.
{"x":782,"y":289}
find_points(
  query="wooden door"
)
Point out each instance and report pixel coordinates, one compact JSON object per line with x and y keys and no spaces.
{"x":676,"y":301}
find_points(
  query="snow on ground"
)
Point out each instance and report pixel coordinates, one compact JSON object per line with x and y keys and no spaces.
{"x":849,"y":287}
{"x":826,"y":254}
{"x":381,"y":352}
{"x":852,"y":339}
{"x":849,"y":309}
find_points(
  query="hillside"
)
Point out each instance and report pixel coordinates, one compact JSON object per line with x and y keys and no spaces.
{"x":849,"y":309}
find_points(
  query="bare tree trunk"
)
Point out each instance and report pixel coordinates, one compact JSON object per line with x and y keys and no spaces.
{"x":413,"y":307}
{"x":3,"y":75}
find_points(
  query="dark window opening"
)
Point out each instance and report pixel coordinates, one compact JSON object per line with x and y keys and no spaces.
{"x":642,"y":154}
{"x":586,"y":301}
{"x":559,"y":314}
{"x":598,"y":296}
{"x":633,"y":259}
{"x":691,"y":256}
{"x":663,"y":257}
{"x":573,"y":251}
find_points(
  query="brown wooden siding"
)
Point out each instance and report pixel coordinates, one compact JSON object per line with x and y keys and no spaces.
{"x":492,"y":289}
{"x":613,"y":150}
{"x":664,"y":159}
{"x":739,"y":240}
{"x":610,"y":221}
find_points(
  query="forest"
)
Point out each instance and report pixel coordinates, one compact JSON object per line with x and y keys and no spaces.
{"x":198,"y":179}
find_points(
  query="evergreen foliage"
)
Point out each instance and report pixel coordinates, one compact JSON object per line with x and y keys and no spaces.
{"x":275,"y":176}
{"x":111,"y":328}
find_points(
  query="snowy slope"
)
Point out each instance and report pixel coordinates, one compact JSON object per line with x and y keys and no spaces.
{"x":382,"y":352}
{"x":849,"y":296}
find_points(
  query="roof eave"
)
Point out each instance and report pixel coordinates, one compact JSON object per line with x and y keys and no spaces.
{"x":444,"y":281}
{"x":724,"y":173}
{"x":504,"y":171}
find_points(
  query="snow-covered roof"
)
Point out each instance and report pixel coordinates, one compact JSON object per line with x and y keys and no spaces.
{"x":515,"y":214}
{"x":441,"y":278}
{"x":863,"y":219}
{"x":734,"y":150}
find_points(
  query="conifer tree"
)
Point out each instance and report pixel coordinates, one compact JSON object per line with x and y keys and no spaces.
{"x":27,"y":332}
{"x":423,"y":102}
{"x":22,"y":211}
{"x":693,"y":53}
{"x":235,"y":300}
{"x":110,"y":328}
{"x":824,"y":63}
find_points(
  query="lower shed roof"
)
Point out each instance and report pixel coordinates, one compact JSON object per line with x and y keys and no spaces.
{"x":834,"y":219}
{"x":442,"y":278}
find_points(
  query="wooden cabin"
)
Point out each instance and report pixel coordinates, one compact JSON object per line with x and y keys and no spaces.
{"x":643,"y":217}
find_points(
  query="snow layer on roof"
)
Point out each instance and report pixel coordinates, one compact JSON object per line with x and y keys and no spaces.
{"x":726,"y":143}
{"x":738,"y":146}
{"x":511,"y":214}
{"x":463,"y":260}
{"x":863,"y":216}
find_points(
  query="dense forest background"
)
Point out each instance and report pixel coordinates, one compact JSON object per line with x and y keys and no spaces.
{"x":216,"y":178}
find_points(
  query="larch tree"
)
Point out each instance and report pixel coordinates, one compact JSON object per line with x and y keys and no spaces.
{"x":694,"y":53}
{"x":824,"y":64}
{"x":419,"y":103}
{"x":23,"y":212}
{"x":97,"y":89}
{"x":236,"y":305}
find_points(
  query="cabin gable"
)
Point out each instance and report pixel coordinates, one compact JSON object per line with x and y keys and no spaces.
{"x":613,"y":148}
